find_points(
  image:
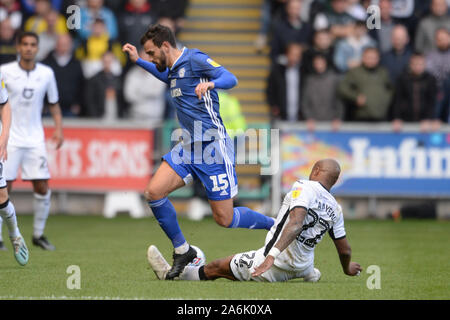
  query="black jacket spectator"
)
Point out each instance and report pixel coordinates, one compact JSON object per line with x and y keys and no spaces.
{"x":134,"y":21}
{"x":96,"y":92}
{"x":69,"y":79}
{"x":396,"y":62}
{"x":415,"y":97}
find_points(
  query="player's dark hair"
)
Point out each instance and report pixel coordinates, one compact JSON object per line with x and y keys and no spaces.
{"x":158,"y":34}
{"x":25,"y":34}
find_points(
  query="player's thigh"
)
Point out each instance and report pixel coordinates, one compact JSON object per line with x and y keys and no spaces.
{"x":164,"y":181}
{"x":35,"y":164}
{"x":12,"y":164}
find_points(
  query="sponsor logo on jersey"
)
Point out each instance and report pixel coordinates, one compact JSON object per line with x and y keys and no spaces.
{"x":173,"y":83}
{"x":176,"y":92}
{"x":213,"y":63}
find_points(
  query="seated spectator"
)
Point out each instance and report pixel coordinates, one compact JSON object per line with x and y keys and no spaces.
{"x":415,"y":95}
{"x":10,"y":9}
{"x":94,"y":11}
{"x":284,"y":85}
{"x":383,"y":34}
{"x":367,"y":89}
{"x":319,"y":95}
{"x":102,"y":92}
{"x":7,"y":42}
{"x":134,"y":20}
{"x":337,"y":19}
{"x":90,"y":51}
{"x":145,"y":94}
{"x":38,"y":23}
{"x":397,"y":59}
{"x":439,"y":18}
{"x":68,"y":74}
{"x":322,"y":44}
{"x":287,"y":29}
{"x":348,"y":51}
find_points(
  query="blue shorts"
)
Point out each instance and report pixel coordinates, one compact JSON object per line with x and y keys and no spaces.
{"x":216,"y":170}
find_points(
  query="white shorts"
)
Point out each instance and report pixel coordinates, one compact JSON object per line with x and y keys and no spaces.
{"x":32,"y":162}
{"x":243,"y":265}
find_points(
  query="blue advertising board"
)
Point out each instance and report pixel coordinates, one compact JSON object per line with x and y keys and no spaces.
{"x":372,"y":163}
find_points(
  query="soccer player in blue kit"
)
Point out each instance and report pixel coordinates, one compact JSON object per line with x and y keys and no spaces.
{"x":193,"y":78}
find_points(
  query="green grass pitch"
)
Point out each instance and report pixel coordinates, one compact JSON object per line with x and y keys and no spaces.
{"x":413,"y":256}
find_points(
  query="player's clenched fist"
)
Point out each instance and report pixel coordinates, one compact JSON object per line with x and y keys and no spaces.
{"x":202,"y":87}
{"x":132,"y":52}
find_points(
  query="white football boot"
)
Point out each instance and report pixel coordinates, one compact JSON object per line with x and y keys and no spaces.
{"x":157,"y":262}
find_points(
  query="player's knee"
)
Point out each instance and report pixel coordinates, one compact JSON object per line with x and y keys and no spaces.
{"x":152,"y":194}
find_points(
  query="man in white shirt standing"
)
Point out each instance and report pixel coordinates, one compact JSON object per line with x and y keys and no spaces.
{"x":28,"y":83}
{"x":7,"y":210}
{"x":307,"y":213}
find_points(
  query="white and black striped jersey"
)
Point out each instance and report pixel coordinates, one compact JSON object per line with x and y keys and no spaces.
{"x":324,"y":214}
{"x":27,"y":90}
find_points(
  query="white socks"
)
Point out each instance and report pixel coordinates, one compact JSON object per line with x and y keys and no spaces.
{"x":41,"y":204}
{"x":182,"y":249}
{"x":8,"y":213}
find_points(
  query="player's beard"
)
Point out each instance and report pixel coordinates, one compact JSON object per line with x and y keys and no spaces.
{"x":162,"y":66}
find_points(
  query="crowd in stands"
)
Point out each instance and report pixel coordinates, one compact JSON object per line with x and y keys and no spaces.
{"x":95,"y":78}
{"x":334,"y":61}
{"x":331,"y":60}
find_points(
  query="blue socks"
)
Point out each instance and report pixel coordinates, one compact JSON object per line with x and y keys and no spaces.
{"x":246,"y":218}
{"x":166,"y":215}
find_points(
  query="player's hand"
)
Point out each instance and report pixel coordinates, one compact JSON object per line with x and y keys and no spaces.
{"x":3,"y":148}
{"x":266,"y":265}
{"x":201,"y":89}
{"x":354,"y":269}
{"x":132,"y":52}
{"x":58,"y":138}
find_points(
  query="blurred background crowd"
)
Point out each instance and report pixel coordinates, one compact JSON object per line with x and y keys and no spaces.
{"x":328,"y":62}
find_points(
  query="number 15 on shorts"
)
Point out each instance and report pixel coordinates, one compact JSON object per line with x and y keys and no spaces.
{"x":220,"y":182}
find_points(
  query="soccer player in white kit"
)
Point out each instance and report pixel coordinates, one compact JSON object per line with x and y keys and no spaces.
{"x":28,"y":83}
{"x":7,"y":210}
{"x":307,"y":213}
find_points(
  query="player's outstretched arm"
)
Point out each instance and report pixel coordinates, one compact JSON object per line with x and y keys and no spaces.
{"x":345,"y":255}
{"x":289,"y":234}
{"x":58,"y":137}
{"x":5,"y":115}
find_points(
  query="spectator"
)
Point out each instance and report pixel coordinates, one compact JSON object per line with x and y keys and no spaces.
{"x":68,"y":74}
{"x":90,"y":52}
{"x":438,"y":64}
{"x":397,"y":59}
{"x":102,"y":91}
{"x":415,"y":95}
{"x":367,"y":89}
{"x":7,"y":42}
{"x":439,"y":18}
{"x":49,"y":37}
{"x":444,"y":112}
{"x":134,"y":20}
{"x":322,"y":44}
{"x":38,"y":23}
{"x":287,"y":29}
{"x":29,"y":6}
{"x":336,"y":19}
{"x":145,"y":94}
{"x":10,"y":9}
{"x":319,"y":96}
{"x":383,"y":35}
{"x":174,"y":9}
{"x":348,"y":52}
{"x":284,"y":85}
{"x":94,"y":11}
